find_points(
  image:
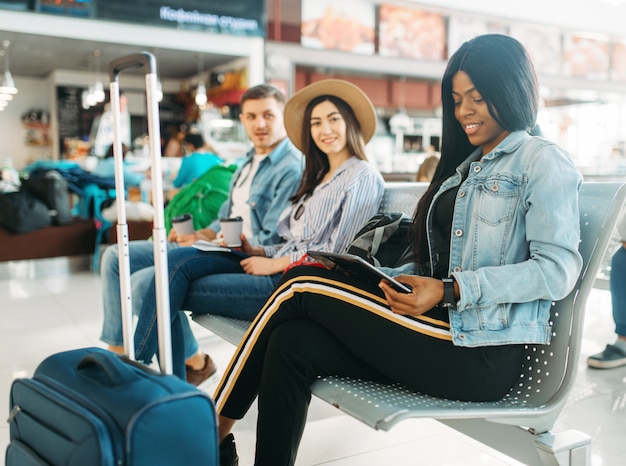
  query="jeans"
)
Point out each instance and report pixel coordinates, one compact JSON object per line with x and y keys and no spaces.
{"x":202,"y":282}
{"x":142,"y":276}
{"x":618,"y":291}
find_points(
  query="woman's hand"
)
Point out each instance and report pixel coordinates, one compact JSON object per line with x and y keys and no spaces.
{"x":427,"y":293}
{"x":256,"y":265}
{"x":249,"y":249}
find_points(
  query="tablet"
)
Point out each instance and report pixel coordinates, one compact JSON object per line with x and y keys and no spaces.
{"x":212,"y":246}
{"x":357,"y":267}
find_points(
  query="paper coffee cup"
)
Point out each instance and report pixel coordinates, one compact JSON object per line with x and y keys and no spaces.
{"x":231,"y":231}
{"x":183,"y":224}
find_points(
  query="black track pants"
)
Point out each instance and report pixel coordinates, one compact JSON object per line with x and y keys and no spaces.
{"x":320,"y":323}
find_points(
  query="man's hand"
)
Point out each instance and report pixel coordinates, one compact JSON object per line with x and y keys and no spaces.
{"x":206,"y":234}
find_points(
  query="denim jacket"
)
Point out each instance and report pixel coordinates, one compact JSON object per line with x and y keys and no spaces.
{"x":514,"y":244}
{"x":275,"y":181}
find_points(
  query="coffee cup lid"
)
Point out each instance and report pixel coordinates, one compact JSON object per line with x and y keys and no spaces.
{"x":182,"y":218}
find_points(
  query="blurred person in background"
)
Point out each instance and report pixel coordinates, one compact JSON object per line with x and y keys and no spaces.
{"x":199,"y":158}
{"x":614,"y":355}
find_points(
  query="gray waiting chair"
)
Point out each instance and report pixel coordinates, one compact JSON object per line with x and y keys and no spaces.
{"x":519,"y":425}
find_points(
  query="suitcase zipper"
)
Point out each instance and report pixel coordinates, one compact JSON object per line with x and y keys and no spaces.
{"x":16,"y":409}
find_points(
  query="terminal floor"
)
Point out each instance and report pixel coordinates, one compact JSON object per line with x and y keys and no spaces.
{"x":57,"y":308}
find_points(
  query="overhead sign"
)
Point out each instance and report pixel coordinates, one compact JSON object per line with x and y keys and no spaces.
{"x":243,"y":17}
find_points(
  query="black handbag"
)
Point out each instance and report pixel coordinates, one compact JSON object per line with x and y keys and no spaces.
{"x":53,"y":190}
{"x":22,"y":212}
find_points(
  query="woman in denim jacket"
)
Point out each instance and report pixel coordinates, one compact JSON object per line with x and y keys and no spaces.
{"x":495,"y":240}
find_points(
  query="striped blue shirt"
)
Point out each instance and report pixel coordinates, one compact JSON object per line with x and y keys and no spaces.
{"x":333,"y":214}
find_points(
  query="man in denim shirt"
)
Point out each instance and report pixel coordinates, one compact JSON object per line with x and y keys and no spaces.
{"x":259,"y":192}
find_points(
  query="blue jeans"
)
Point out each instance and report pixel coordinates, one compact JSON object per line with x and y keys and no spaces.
{"x":142,"y":275}
{"x":202,"y":282}
{"x":618,"y":290}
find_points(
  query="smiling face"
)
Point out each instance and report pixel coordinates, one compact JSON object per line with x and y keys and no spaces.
{"x":473,"y":115}
{"x":263,"y":122}
{"x":328,"y":129}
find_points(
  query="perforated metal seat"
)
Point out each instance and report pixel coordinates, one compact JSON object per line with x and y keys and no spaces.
{"x":546,"y":376}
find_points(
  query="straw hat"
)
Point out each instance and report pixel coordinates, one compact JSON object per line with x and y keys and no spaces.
{"x":351,"y":94}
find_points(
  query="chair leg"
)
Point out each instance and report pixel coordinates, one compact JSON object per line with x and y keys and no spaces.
{"x":569,"y":448}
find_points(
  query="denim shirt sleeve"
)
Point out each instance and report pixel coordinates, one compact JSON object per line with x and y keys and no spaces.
{"x":283,"y":190}
{"x":274,"y":183}
{"x":547,"y":215}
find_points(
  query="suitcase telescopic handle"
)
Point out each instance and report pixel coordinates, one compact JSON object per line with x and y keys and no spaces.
{"x":159,"y":234}
{"x":135,"y":60}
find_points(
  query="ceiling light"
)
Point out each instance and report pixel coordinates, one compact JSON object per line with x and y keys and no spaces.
{"x":7,"y":85}
{"x":84,"y":100}
{"x":159,"y":91}
{"x":97,"y":91}
{"x":201,"y":98}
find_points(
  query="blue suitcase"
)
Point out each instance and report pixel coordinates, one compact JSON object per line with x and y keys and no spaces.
{"x":90,"y":407}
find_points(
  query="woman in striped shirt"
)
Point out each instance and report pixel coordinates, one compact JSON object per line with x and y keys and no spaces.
{"x":330,"y":122}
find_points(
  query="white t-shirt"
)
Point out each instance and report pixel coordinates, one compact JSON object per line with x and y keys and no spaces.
{"x":241,"y":194}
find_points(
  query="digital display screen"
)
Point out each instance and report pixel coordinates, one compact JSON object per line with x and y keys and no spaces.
{"x":79,"y":8}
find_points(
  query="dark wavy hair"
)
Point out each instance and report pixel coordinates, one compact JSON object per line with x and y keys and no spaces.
{"x":504,"y":75}
{"x":317,"y":161}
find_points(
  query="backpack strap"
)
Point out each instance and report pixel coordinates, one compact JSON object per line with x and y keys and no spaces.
{"x":377,"y":239}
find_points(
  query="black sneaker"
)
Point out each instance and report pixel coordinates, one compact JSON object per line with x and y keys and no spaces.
{"x":611,"y":357}
{"x":228,"y":452}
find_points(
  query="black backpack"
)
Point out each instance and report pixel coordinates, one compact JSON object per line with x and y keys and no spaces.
{"x":22,"y":212}
{"x":53,"y":190}
{"x":384,"y":240}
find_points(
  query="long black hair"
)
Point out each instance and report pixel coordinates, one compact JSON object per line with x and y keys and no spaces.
{"x":503,"y":74}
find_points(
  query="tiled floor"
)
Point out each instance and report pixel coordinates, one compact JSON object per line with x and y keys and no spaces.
{"x":61,"y":310}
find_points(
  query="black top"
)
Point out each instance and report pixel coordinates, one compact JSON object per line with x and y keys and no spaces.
{"x":442,"y":229}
